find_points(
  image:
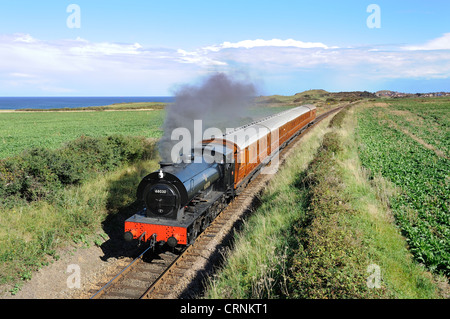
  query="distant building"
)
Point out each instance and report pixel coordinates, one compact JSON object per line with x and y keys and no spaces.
{"x":394,"y":94}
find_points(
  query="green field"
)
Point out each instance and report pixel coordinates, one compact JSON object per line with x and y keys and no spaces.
{"x":426,"y":119}
{"x":20,"y":131}
{"x":407,"y":143}
{"x":24,"y":130}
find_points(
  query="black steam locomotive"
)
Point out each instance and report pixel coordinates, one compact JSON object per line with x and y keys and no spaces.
{"x":182,"y":199}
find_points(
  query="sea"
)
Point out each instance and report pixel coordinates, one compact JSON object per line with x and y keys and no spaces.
{"x":16,"y":103}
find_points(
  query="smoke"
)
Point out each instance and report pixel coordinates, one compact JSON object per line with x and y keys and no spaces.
{"x":219,"y":101}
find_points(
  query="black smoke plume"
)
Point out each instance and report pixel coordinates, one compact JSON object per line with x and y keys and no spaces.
{"x":219,"y":101}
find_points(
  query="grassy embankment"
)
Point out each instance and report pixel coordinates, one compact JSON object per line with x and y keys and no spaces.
{"x":322,"y":99}
{"x":323,"y":231}
{"x":51,"y":198}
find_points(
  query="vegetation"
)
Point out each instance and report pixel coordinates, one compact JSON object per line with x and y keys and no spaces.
{"x":325,"y":221}
{"x":112,"y":107}
{"x":320,"y":98}
{"x":22,"y":131}
{"x":50,"y":198}
{"x":320,"y":231}
{"x":427,"y":119}
{"x":39,"y":173}
{"x":392,"y":146}
{"x":331,"y":261}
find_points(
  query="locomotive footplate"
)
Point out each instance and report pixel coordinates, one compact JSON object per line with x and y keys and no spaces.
{"x":184,"y":231}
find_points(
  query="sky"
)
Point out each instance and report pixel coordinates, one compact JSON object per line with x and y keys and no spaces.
{"x":149,"y":48}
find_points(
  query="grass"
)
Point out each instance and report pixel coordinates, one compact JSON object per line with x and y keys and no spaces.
{"x":322,"y":99}
{"x":32,"y":233}
{"x":22,"y":131}
{"x":40,"y":173}
{"x":320,"y":230}
{"x":426,"y":120}
{"x":402,"y":277}
{"x":256,"y":265}
{"x":51,"y":198}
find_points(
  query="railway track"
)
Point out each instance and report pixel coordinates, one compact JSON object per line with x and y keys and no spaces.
{"x":167,"y":275}
{"x":133,"y":280}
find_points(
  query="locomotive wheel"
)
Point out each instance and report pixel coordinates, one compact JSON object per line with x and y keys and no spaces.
{"x":206,"y":221}
{"x":194,"y":231}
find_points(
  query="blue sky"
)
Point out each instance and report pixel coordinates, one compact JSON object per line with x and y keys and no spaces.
{"x":149,"y":47}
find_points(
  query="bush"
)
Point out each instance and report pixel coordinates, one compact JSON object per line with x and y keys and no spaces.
{"x":337,"y":120}
{"x":330,"y":260}
{"x":39,"y":173}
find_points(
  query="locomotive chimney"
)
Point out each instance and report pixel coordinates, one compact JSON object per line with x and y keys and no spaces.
{"x":165,"y":164}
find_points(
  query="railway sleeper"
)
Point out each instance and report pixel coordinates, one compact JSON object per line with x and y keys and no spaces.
{"x":144,"y":276}
{"x":121,"y":295}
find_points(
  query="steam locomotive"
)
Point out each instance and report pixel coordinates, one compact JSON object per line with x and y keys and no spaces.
{"x":182,"y":199}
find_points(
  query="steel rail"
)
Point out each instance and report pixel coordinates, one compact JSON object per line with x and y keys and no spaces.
{"x":120,"y":275}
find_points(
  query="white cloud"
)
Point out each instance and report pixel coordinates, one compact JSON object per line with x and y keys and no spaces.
{"x":65,"y":66}
{"x":21,"y":75}
{"x":104,"y":48}
{"x":277,"y":57}
{"x":197,"y":58}
{"x":441,"y":43}
{"x":79,"y":65}
{"x":26,"y":38}
{"x":55,"y":89}
{"x":248,"y":44}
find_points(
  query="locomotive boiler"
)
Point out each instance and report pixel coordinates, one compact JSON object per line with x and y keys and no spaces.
{"x":181,"y":199}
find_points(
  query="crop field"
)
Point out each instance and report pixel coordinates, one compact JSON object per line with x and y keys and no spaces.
{"x":427,"y":120}
{"x":20,"y":131}
{"x":407,"y":142}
